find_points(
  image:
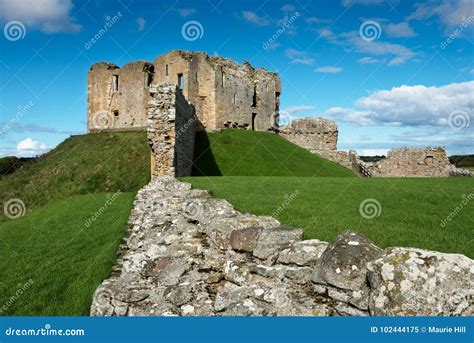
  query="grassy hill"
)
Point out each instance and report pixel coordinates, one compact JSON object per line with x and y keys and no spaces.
{"x":250,"y":153}
{"x":54,"y":258}
{"x":411,"y":209}
{"x":105,"y":162}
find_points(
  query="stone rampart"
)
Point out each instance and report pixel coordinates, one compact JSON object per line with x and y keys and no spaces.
{"x":188,"y":254}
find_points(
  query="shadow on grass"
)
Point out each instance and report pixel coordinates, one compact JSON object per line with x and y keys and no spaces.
{"x":204,"y":161}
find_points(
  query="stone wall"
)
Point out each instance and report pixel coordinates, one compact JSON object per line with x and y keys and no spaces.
{"x":171,"y":131}
{"x":189,"y":254}
{"x":117,"y":97}
{"x":313,"y":134}
{"x":223,"y":92}
{"x":415,"y":162}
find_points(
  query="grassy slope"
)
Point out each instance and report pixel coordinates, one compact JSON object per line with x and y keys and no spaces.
{"x":64,"y":258}
{"x":249,"y":153}
{"x":412,"y":209}
{"x":104,"y":162}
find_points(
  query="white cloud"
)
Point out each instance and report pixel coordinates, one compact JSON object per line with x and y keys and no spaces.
{"x":315,"y":20}
{"x":410,"y":106}
{"x":30,"y":147}
{"x":368,"y":60}
{"x":450,"y":13}
{"x":347,"y":3}
{"x":186,"y":12}
{"x":298,"y":57}
{"x":328,"y":70}
{"x":255,"y":18}
{"x":399,"y":53}
{"x":298,"y":109}
{"x":50,"y":16}
{"x":141,"y":24}
{"x":374,"y":152}
{"x":400,"y":30}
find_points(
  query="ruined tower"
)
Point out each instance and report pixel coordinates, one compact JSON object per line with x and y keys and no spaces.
{"x":225,"y":94}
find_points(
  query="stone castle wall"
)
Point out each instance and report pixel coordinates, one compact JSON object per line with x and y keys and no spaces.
{"x":415,"y":162}
{"x":313,"y":134}
{"x":117,"y":97}
{"x":171,"y":131}
{"x":223,"y":92}
{"x":189,"y":254}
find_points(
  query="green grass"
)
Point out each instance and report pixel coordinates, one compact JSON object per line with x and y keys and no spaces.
{"x":103,"y":162}
{"x":411,"y":209}
{"x":250,"y":153}
{"x":55,"y":260}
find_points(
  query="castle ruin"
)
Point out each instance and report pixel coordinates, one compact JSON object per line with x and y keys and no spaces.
{"x":225,"y":94}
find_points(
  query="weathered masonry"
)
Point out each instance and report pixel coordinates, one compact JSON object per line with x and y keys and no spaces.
{"x":225,"y":94}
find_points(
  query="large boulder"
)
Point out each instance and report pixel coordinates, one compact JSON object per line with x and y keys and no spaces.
{"x":344,"y":263}
{"x":408,"y":282}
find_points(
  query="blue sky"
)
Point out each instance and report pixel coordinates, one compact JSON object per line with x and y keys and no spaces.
{"x":390,"y":72}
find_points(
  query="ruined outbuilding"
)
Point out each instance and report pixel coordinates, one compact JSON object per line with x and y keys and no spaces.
{"x":225,"y":94}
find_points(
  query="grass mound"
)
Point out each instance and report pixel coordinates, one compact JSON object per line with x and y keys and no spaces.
{"x":103,"y":162}
{"x":54,"y":258}
{"x":412,"y":212}
{"x":252,"y":153}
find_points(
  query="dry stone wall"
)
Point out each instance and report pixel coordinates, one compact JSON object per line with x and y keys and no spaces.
{"x":171,"y":131}
{"x":188,"y":254}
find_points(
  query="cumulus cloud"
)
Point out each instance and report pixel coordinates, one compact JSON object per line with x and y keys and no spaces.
{"x":400,"y":30}
{"x":410,"y":106}
{"x":50,"y":16}
{"x":254,"y":18}
{"x":328,"y":70}
{"x":30,"y":147}
{"x":141,"y":24}
{"x":375,"y":152}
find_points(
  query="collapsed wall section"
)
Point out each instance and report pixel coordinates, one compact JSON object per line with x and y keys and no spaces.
{"x":170,"y":131}
{"x":415,"y":162}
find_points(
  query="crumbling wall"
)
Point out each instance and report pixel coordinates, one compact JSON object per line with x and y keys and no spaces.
{"x":415,"y":162}
{"x":171,"y":131}
{"x":313,"y":134}
{"x":117,"y":97}
{"x":189,"y":254}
